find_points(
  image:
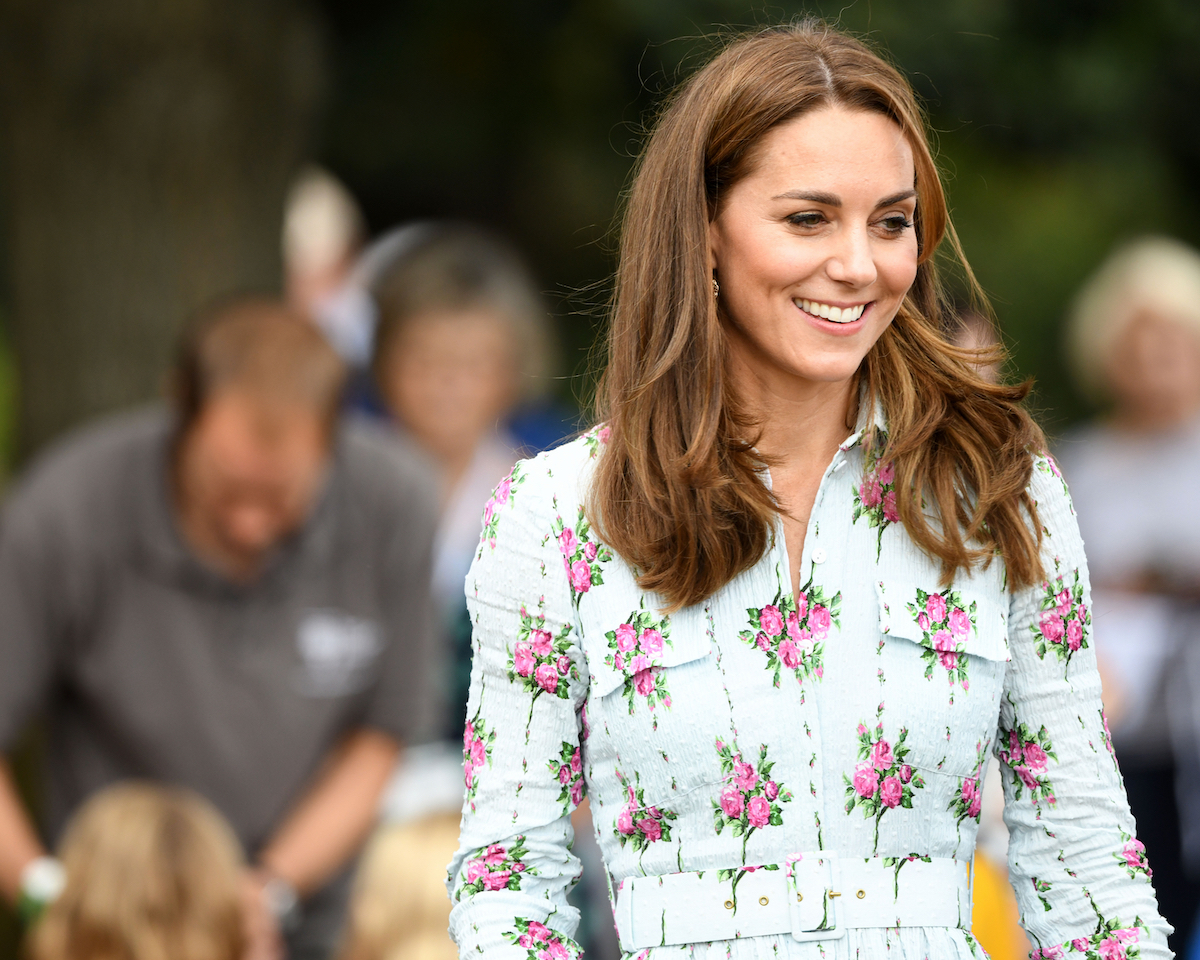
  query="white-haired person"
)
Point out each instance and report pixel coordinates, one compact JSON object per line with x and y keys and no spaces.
{"x":1133,"y":342}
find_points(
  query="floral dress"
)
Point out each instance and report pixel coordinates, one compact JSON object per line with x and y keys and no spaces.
{"x":855,"y":716}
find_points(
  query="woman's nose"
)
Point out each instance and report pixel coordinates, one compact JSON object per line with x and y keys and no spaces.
{"x":851,"y":261}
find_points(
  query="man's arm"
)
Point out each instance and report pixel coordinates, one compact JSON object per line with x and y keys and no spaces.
{"x":19,"y":843}
{"x":333,"y":818}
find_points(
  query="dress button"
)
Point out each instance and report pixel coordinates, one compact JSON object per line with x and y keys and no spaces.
{"x":819,"y":555}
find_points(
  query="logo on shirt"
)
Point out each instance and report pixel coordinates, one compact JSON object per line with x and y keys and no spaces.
{"x":337,"y":653}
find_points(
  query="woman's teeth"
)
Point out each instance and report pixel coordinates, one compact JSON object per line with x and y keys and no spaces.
{"x":833,"y":314}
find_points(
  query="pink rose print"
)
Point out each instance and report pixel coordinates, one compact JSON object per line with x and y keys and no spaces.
{"x":1063,"y":624}
{"x":651,"y":829}
{"x":583,"y":557}
{"x":935,"y":606}
{"x":581,"y":576}
{"x":758,"y":811}
{"x":477,"y":751}
{"x":969,"y":800}
{"x":1074,"y":635}
{"x":875,"y":499}
{"x":547,"y":677}
{"x":1111,"y":941}
{"x":568,"y":771}
{"x":1027,"y":754}
{"x":770,"y":620}
{"x":501,"y":496}
{"x":960,"y":624}
{"x":891,"y":513}
{"x":651,"y":641}
{"x":494,"y":868}
{"x":523,"y":660}
{"x":595,"y":439}
{"x":750,"y":800}
{"x":946,"y":623}
{"x":541,"y":642}
{"x":875,"y":790}
{"x":732,"y":804}
{"x":866,"y":780}
{"x":1035,"y":757}
{"x":540,"y":661}
{"x":881,"y":755}
{"x":635,"y":652}
{"x":540,"y":942}
{"x":791,"y":636}
{"x":745,"y":776}
{"x":820,"y":620}
{"x":870,"y":494}
{"x":1132,"y":856}
{"x":637,"y":823}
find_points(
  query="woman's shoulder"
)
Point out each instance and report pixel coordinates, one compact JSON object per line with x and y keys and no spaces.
{"x":541,"y":487}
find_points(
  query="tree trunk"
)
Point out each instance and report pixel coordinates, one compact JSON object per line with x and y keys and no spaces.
{"x":147,"y":147}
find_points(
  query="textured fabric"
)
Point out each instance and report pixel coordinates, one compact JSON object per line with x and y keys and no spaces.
{"x":854,"y":718}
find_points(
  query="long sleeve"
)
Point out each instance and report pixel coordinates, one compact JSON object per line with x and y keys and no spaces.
{"x":510,"y":876}
{"x":1080,"y":875}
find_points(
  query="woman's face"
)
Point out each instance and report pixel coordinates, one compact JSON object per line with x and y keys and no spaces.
{"x":450,"y":376}
{"x":815,"y":248}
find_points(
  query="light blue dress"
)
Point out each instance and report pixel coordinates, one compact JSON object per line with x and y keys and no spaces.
{"x":855,"y":717}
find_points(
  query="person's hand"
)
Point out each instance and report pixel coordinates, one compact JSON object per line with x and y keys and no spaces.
{"x":264,"y":941}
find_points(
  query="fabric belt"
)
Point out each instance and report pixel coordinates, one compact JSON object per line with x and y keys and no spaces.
{"x":812,"y":897}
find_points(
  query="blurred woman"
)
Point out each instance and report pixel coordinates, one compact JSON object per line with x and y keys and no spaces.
{"x":1134,"y":347}
{"x":462,"y":339}
{"x":152,"y":873}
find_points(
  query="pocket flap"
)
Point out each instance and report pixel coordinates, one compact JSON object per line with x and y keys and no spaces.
{"x":952,"y":619}
{"x":644,"y":642}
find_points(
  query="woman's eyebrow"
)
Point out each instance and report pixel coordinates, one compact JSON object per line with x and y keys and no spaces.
{"x":833,"y":200}
{"x":826,"y":199}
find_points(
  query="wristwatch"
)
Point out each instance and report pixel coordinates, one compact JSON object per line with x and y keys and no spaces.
{"x":283,"y":901}
{"x":42,"y":880}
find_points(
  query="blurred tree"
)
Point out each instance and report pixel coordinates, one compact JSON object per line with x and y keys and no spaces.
{"x":147,"y":147}
{"x":1063,"y":127}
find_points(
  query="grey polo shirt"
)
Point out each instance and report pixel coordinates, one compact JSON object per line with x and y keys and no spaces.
{"x":148,"y":664}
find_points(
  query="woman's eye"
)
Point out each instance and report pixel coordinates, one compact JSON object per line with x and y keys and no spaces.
{"x":897,"y":223}
{"x":806,"y":219}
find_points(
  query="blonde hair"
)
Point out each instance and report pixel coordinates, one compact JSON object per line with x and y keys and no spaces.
{"x":1151,"y":273}
{"x":399,"y":909}
{"x":153,"y":873}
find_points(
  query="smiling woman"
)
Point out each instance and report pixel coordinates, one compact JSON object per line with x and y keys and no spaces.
{"x":800,"y":578}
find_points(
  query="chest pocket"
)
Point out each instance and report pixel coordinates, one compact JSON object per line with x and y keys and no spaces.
{"x":654,"y":703}
{"x":944,"y":655}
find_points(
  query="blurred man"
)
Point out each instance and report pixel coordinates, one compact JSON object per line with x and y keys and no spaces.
{"x":233,"y":598}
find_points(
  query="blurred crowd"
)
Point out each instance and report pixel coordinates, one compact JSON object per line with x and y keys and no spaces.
{"x":237,"y":617}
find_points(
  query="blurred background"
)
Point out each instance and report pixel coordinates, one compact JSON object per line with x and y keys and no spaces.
{"x":147,"y":151}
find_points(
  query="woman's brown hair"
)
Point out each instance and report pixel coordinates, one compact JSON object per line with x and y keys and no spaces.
{"x":153,"y":873}
{"x":678,"y":490}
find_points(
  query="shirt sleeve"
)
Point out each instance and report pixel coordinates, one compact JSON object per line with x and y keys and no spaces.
{"x":35,"y":586}
{"x":510,"y":876}
{"x":1079,"y":872}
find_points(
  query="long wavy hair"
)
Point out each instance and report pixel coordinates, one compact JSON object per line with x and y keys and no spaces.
{"x":678,"y":490}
